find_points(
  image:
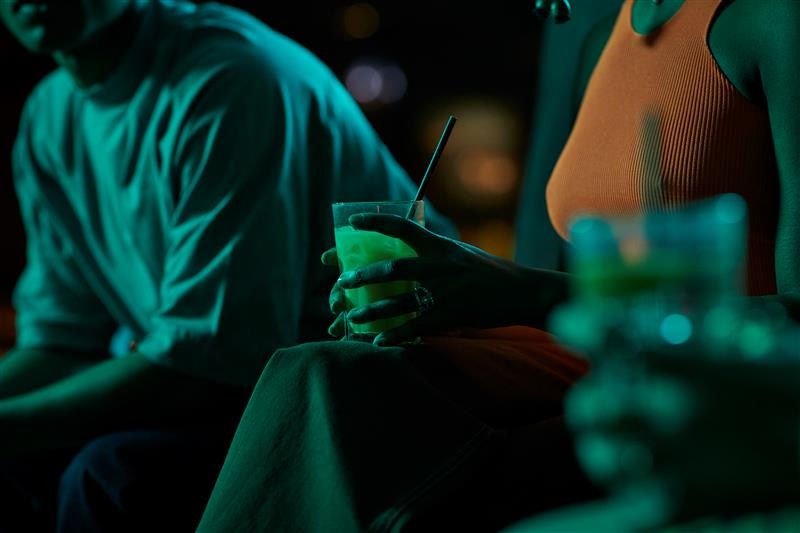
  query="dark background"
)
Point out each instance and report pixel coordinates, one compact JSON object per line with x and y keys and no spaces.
{"x":474,"y":59}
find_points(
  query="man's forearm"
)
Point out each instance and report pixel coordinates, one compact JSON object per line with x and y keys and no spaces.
{"x":25,"y":369}
{"x":113,"y":395}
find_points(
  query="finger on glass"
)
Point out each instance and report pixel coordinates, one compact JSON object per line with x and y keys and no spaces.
{"x":357,"y":248}
{"x":409,"y":231}
{"x":337,"y":328}
{"x":404,"y":269}
{"x":337,"y":301}
{"x":402,"y":304}
{"x":329,"y":257}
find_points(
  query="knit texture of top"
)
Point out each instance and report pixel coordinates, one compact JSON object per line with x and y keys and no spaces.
{"x":708,"y":138}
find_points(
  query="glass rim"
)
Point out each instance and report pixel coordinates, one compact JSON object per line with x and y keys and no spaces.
{"x":387,"y":202}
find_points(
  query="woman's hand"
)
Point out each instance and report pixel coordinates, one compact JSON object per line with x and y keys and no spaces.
{"x":469,"y":287}
{"x":336,"y":300}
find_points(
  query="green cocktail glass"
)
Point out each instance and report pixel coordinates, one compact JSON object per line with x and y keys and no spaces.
{"x":651,"y":281}
{"x":695,"y":253}
{"x":358,"y":248}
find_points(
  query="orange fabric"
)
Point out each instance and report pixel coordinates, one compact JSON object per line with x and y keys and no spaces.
{"x":514,"y":373}
{"x":711,"y":139}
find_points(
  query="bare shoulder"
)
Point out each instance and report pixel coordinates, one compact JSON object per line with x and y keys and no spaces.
{"x":754,"y":39}
{"x":777,"y":42}
{"x":770,"y":23}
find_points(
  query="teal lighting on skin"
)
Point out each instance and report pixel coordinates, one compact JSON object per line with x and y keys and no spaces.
{"x":676,"y":329}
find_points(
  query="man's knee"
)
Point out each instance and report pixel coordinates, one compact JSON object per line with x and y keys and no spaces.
{"x":89,"y":466}
{"x":90,"y":488}
{"x":127,"y":480}
{"x":317,"y":359}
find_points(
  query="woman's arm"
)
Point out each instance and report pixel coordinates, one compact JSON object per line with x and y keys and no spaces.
{"x":779,"y":68}
{"x":471,"y":288}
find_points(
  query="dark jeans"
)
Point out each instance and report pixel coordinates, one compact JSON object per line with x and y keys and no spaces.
{"x":157,"y":479}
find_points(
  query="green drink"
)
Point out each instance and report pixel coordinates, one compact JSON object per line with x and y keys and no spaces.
{"x":358,"y":248}
{"x":695,"y":254}
{"x":662,"y":273}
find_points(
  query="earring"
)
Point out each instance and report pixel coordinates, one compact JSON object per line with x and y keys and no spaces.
{"x":558,"y":9}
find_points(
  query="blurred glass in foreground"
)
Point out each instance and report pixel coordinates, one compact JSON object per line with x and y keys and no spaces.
{"x":691,"y":406}
{"x":655,"y":280}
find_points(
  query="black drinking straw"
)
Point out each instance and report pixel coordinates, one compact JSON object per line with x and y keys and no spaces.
{"x":423,"y":185}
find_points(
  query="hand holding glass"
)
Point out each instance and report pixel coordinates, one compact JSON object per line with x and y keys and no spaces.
{"x":359,"y":248}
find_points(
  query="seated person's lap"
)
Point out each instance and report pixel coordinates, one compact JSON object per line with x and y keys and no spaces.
{"x":408,"y":430}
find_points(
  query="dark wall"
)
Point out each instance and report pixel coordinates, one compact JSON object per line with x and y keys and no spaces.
{"x":20,"y":71}
{"x":447,"y":49}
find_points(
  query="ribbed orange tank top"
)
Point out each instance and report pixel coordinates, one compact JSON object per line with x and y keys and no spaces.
{"x":711,"y":139}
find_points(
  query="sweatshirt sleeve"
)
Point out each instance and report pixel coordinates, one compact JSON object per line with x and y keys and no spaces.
{"x":55,"y":304}
{"x":232,"y":287}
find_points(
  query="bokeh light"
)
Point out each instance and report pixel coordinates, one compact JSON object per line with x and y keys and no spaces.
{"x":483,"y":172}
{"x":496,"y":236}
{"x":360,"y":20}
{"x":485,"y":123}
{"x":480,"y":170}
{"x":374,"y":83}
{"x":676,"y":328}
{"x":364,"y":82}
{"x":394,"y":85}
{"x":756,"y":339}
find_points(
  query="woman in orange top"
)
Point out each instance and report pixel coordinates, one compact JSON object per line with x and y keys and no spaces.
{"x":349,"y":436}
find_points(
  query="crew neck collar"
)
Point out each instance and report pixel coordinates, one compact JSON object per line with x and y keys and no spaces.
{"x":127,"y":76}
